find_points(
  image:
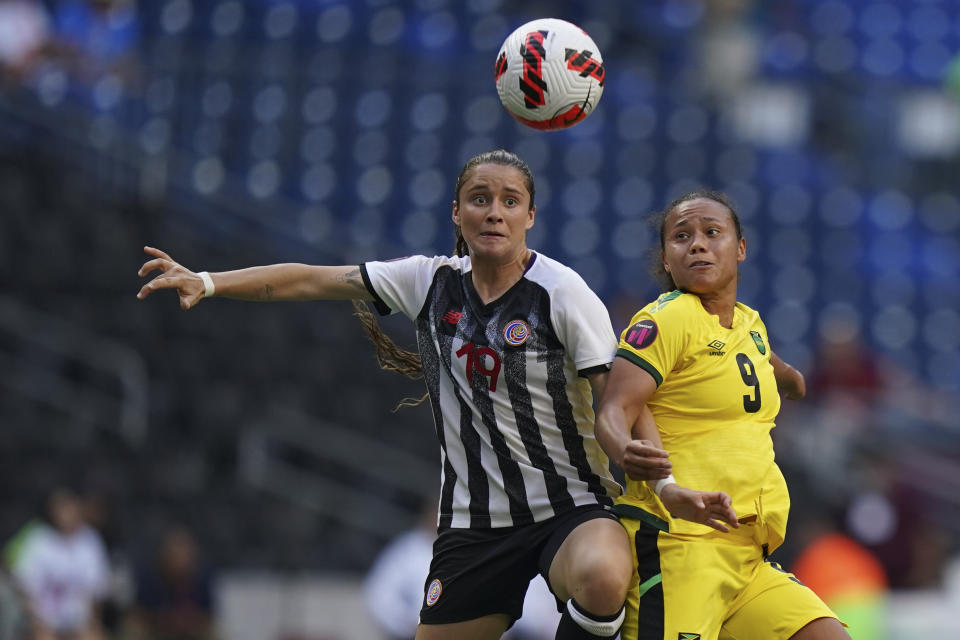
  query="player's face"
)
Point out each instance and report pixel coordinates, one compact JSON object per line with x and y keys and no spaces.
{"x":494,"y":212}
{"x":701,"y":249}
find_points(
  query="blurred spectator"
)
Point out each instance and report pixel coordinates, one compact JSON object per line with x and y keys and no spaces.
{"x":844,"y":366}
{"x":24,"y":33}
{"x":98,"y":37}
{"x":13,"y":620}
{"x":61,"y":566}
{"x":728,"y":50}
{"x":174,"y":598}
{"x":849,"y":579}
{"x":97,"y":513}
{"x":540,"y":616}
{"x":394,"y":586}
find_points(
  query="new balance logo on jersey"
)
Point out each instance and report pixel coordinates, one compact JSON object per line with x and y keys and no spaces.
{"x":453,"y":317}
{"x":717,"y":348}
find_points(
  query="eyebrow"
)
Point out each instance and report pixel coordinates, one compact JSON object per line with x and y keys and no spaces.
{"x":484,"y":186}
{"x":684,"y":221}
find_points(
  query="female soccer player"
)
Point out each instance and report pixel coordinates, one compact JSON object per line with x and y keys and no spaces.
{"x":511,"y":343}
{"x":703,"y":363}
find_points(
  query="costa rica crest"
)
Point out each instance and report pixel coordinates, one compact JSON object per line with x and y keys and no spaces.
{"x":516,"y":332}
{"x":433,"y":592}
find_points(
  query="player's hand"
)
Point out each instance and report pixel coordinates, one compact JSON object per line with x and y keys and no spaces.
{"x":173,"y":275}
{"x":789,"y":380}
{"x":796,"y":386}
{"x":643,"y":461}
{"x":711,"y":508}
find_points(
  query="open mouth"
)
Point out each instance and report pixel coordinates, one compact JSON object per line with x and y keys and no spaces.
{"x":700,"y":264}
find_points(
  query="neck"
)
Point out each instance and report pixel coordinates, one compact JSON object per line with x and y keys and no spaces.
{"x":492,"y":279}
{"x":720,"y":303}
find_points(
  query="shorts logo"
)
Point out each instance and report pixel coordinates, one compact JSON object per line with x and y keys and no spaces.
{"x":642,"y":334}
{"x":516,"y":332}
{"x":452,"y":317}
{"x":688,"y":636}
{"x":434,"y":591}
{"x":762,"y":348}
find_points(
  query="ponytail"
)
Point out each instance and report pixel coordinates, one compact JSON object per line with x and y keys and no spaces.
{"x":390,"y":356}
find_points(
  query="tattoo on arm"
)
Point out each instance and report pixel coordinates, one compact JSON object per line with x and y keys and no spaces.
{"x":353,"y":279}
{"x":267,"y":292}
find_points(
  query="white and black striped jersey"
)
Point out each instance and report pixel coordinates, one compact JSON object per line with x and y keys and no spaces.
{"x":512,"y":408}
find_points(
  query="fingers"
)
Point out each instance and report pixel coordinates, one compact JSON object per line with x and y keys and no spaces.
{"x":161,"y":282}
{"x":643,"y":461}
{"x":719,"y":526}
{"x":631,"y":459}
{"x":718,"y":505}
{"x":644,"y":469}
{"x":148,"y":288}
{"x":640,"y":474}
{"x":157,"y":253}
{"x":645,"y":449}
{"x":163,"y":264}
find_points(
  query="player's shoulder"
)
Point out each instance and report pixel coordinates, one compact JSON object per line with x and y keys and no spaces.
{"x":547,"y":271}
{"x":429,"y":263}
{"x":553,"y":275}
{"x":673,"y":305}
{"x":751,"y":315}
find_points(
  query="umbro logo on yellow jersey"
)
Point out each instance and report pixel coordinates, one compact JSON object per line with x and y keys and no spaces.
{"x":717,"y":348}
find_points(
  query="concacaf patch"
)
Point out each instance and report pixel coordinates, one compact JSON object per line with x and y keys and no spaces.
{"x":642,"y":334}
{"x":433,"y":592}
{"x":762,"y":348}
{"x":516,"y":332}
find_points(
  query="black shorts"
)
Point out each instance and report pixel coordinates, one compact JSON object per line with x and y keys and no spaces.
{"x":479,"y":572}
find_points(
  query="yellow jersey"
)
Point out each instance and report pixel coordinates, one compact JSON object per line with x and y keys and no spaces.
{"x":715,"y":404}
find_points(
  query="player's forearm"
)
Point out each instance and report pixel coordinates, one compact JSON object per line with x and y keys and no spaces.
{"x":612,"y":431}
{"x":789,"y":379}
{"x":290,"y":281}
{"x":639,"y":453}
{"x":645,"y":428}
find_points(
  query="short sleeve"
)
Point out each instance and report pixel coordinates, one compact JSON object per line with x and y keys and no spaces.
{"x":654,"y":341}
{"x":582,"y":325}
{"x":401,"y":285}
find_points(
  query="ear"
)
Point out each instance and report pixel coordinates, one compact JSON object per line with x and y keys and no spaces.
{"x":663,"y":259}
{"x":456,"y":213}
{"x":530,"y":216}
{"x":742,"y":250}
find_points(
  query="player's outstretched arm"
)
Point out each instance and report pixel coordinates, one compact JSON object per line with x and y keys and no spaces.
{"x":711,"y":508}
{"x":271,"y":282}
{"x":789,"y":380}
{"x":625,"y":428}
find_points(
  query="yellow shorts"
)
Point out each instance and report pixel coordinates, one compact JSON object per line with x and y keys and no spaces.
{"x":712,"y":587}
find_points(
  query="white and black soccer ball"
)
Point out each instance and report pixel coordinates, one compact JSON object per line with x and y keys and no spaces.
{"x":549,"y":74}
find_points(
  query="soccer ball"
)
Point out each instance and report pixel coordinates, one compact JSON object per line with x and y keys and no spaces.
{"x":549,"y":74}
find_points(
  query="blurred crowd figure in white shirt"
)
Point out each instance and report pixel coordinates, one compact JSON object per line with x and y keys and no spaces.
{"x":394,"y":587}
